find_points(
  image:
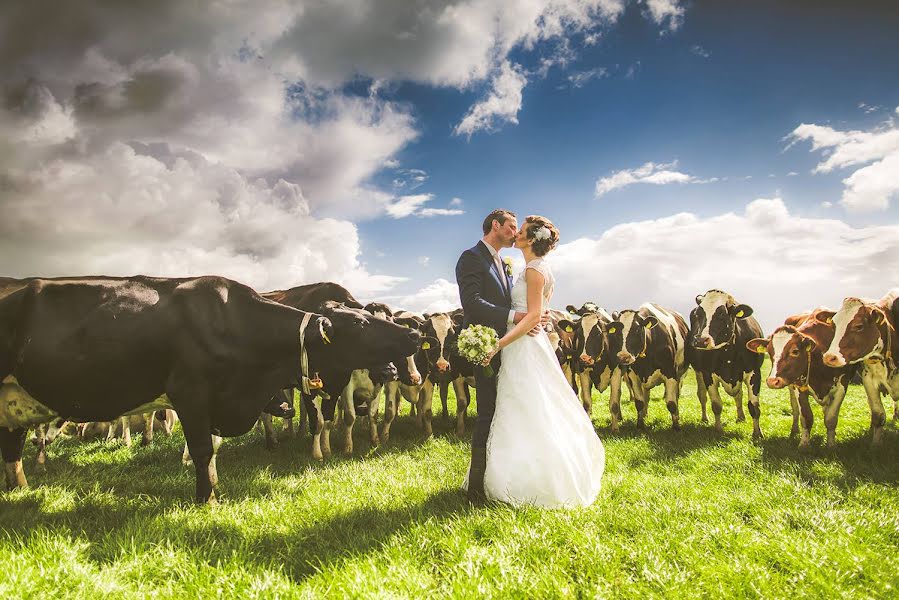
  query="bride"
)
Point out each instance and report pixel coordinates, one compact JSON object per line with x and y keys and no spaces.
{"x":542,"y":449}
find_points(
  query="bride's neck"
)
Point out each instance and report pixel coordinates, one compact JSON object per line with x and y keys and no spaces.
{"x":528,"y":254}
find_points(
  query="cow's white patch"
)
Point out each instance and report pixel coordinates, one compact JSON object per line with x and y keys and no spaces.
{"x":380,"y":314}
{"x":442,"y":325}
{"x":587,"y":323}
{"x":18,"y":408}
{"x":627,"y":321}
{"x":554,"y":340}
{"x":710,"y":302}
{"x":222,"y":292}
{"x":668,"y":319}
{"x":778,"y":341}
{"x":841,"y":320}
{"x":413,"y":370}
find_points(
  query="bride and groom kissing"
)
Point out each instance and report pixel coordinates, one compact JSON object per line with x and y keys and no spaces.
{"x":532,"y":443}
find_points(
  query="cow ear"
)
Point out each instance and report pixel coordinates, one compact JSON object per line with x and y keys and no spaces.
{"x":759,"y":345}
{"x":877,"y":316}
{"x":613,"y":327}
{"x":699,"y":298}
{"x":806,"y":343}
{"x":427,"y":316}
{"x":825,"y":317}
{"x":615,"y":315}
{"x":320,"y":332}
{"x":741,"y":311}
{"x":650,"y":322}
{"x":570,"y":308}
{"x":428,"y":342}
{"x":458,"y":318}
{"x":566,"y":325}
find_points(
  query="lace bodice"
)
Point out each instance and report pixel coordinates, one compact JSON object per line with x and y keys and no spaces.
{"x":520,"y":289}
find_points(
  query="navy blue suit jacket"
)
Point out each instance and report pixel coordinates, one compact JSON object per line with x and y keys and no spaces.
{"x":484,"y":299}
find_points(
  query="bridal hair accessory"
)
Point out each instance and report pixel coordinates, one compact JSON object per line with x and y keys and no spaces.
{"x":542,"y":234}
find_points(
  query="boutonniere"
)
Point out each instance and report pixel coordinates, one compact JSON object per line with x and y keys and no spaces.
{"x":507,"y":266}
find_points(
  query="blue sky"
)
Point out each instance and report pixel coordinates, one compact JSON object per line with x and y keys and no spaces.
{"x":678,"y":145}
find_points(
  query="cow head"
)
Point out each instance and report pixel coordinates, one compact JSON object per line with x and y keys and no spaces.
{"x":407,"y":370}
{"x":790,"y":351}
{"x":440,"y":332}
{"x":586,"y":309}
{"x":628,"y":336}
{"x":589,"y":339}
{"x":360,"y":340}
{"x":861,"y":330}
{"x":713,"y":322}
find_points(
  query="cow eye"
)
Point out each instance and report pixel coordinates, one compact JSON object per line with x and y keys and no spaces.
{"x":794,"y":352}
{"x":858,"y":327}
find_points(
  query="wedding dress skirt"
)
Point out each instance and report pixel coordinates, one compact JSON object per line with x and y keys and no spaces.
{"x":542,"y":449}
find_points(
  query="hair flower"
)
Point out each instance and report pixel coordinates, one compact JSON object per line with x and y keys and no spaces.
{"x":542,"y":234}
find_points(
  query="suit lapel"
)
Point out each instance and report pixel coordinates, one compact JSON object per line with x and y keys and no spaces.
{"x":494,"y":270}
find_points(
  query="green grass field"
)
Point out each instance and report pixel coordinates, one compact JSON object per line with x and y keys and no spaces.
{"x":685,"y":514}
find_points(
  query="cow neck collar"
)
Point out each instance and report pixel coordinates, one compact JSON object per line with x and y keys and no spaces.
{"x":308,"y":384}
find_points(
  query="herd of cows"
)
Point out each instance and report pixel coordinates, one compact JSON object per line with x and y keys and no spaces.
{"x":222,"y":357}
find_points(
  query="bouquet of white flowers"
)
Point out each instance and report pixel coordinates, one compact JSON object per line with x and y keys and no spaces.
{"x":476,"y":342}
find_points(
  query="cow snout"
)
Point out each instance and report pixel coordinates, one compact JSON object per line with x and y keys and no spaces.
{"x":834,"y":360}
{"x":586,"y":359}
{"x":416,"y":379}
{"x":775,"y":383}
{"x":626,"y":358}
{"x":703,"y":341}
{"x":442,"y":364}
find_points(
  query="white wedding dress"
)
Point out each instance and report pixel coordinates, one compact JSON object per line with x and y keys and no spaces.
{"x":542,"y":449}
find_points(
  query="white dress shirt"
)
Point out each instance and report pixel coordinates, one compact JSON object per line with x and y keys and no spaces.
{"x":502,"y":273}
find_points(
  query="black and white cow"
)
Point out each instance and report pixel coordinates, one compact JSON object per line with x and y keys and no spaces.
{"x":595,"y":367}
{"x":440,"y":331}
{"x":649,"y":346}
{"x":720,"y":328}
{"x":95,"y":348}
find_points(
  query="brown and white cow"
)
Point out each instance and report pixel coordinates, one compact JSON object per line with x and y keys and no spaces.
{"x":797,"y":363}
{"x":649,"y":346}
{"x":595,"y":366}
{"x":865,"y":333}
{"x":719,"y":330}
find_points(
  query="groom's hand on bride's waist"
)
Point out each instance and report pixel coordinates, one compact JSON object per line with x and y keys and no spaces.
{"x":544,"y":324}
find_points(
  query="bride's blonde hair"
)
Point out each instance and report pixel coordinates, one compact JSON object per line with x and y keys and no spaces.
{"x":542,"y":245}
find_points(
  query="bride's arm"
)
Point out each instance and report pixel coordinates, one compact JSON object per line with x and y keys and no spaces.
{"x":535,"y":280}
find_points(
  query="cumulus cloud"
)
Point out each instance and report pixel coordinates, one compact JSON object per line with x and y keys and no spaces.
{"x":500,"y":106}
{"x":871,"y":187}
{"x":779,"y":263}
{"x":407,"y":206}
{"x":439,"y":296}
{"x":652,"y":173}
{"x":666,"y":11}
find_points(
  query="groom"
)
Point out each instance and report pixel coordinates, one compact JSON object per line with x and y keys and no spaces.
{"x":485,"y":289}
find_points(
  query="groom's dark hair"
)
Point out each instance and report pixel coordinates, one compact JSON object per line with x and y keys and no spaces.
{"x":500,"y":215}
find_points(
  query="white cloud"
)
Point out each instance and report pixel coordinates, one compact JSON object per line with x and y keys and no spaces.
{"x":652,"y":173}
{"x":699,"y":51}
{"x":500,"y":106}
{"x":406,"y":206}
{"x":439,"y":212}
{"x":439,"y":296}
{"x":581,"y":78}
{"x":871,"y":187}
{"x":456,"y":202}
{"x":777,"y":262}
{"x":424,"y":260}
{"x":120,"y":212}
{"x":666,"y":10}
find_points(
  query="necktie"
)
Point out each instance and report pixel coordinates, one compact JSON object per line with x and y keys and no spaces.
{"x":502,"y":272}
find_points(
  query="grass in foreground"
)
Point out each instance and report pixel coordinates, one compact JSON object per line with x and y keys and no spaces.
{"x":681,"y":514}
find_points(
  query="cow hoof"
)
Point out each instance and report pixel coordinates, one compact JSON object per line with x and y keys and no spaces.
{"x":794,"y":432}
{"x":757,"y":435}
{"x":741,"y":418}
{"x":145,"y":441}
{"x":675,"y":427}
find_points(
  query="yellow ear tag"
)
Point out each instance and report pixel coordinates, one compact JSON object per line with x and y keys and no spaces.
{"x":612,"y":330}
{"x":326,"y":338}
{"x":426,"y":346}
{"x":569,"y":329}
{"x":761,"y":349}
{"x":830,"y":320}
{"x":740,"y":314}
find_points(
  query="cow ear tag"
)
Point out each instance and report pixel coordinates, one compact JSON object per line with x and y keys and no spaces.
{"x":612,"y":330}
{"x":569,"y":329}
{"x":740,"y":314}
{"x":761,"y":349}
{"x":426,"y":346}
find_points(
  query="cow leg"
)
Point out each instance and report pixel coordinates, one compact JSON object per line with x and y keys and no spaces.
{"x":702,"y":394}
{"x":198,"y":435}
{"x":640,"y":396}
{"x":586,"y":390}
{"x":794,"y":405}
{"x":738,"y":400}
{"x":672,"y":395}
{"x":348,"y":409}
{"x":753,"y":381}
{"x":425,"y":413}
{"x":186,"y":460}
{"x":147,"y":438}
{"x":213,"y":470}
{"x":872,"y":390}
{"x":374,"y":407}
{"x":126,"y":430}
{"x":832,"y":414}
{"x":40,"y":440}
{"x":715,"y":397}
{"x":287,"y":426}
{"x":316,"y":424}
{"x":461,"y":405}
{"x":169,"y":422}
{"x":391,"y":406}
{"x":12,"y":445}
{"x":305,"y":420}
{"x":807,"y":419}
{"x":444,"y":398}
{"x":271,"y":441}
{"x":615,"y":400}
